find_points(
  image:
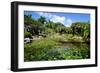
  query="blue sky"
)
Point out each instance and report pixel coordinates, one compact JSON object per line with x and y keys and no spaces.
{"x":65,"y":18}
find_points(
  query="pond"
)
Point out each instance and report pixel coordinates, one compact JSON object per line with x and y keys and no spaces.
{"x":63,"y":51}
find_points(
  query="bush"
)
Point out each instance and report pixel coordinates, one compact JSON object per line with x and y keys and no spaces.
{"x":49,"y":31}
{"x":37,"y":49}
{"x":47,"y":49}
{"x":27,"y":34}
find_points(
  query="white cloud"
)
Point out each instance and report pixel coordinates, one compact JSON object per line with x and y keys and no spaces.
{"x":60,"y":19}
{"x":49,"y":15}
{"x":68,"y":22}
{"x":52,"y":17}
{"x":55,"y":18}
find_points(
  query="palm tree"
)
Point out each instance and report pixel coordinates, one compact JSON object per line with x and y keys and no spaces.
{"x":42,"y":19}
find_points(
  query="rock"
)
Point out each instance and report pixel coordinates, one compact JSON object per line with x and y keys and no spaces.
{"x":27,"y":40}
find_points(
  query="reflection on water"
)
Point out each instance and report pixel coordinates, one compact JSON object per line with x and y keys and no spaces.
{"x":70,"y":45}
{"x":71,"y":51}
{"x":63,"y":51}
{"x":67,"y":46}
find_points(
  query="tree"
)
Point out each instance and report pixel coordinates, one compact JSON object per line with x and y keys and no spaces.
{"x":28,"y":19}
{"x":77,"y":28}
{"x":50,"y":24}
{"x":81,"y":29}
{"x":42,"y":19}
{"x":61,"y":29}
{"x":27,"y":34}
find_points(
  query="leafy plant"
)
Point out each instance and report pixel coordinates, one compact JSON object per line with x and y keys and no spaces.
{"x":27,"y":34}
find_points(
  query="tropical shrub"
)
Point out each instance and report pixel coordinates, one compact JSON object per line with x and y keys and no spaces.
{"x":27,"y":34}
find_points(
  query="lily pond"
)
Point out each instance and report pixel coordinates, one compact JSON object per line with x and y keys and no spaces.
{"x":48,"y":38}
{"x":48,"y":49}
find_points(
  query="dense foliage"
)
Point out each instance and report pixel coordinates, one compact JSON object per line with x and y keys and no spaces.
{"x":54,"y":41}
{"x":39,"y":50}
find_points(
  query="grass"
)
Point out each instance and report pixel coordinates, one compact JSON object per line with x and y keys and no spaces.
{"x":51,"y":49}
